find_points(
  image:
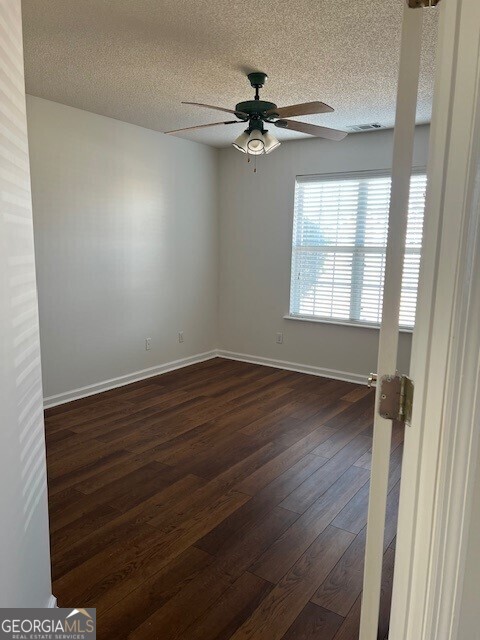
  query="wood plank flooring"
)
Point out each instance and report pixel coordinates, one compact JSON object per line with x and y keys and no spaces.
{"x":223,"y":500}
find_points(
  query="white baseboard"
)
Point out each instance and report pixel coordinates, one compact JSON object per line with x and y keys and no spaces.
{"x":105,"y":385}
{"x":357,"y":378}
{"x":52,"y":602}
{"x":92,"y":389}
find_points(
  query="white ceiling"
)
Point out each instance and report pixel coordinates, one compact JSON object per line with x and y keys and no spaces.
{"x":136,"y":60}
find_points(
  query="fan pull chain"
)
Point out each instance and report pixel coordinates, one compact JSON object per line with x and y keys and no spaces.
{"x":254,"y":162}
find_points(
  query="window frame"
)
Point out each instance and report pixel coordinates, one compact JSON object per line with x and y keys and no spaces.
{"x":335,"y":177}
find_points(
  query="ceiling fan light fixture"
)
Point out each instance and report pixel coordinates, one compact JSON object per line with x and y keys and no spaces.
{"x":271,"y":143}
{"x":241,"y":142}
{"x":256,"y":143}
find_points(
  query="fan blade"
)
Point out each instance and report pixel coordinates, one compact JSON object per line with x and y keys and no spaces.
{"x":311,"y":129}
{"x":240,"y":114}
{"x":304,"y":109}
{"x":202,"y":126}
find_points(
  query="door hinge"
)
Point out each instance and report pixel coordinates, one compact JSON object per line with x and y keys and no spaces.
{"x":396,"y":397}
{"x":422,"y":4}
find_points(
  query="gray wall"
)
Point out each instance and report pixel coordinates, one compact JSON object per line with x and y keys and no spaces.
{"x":256,"y":212}
{"x":126,"y":245}
{"x":127,"y":225}
{"x":24,"y":543}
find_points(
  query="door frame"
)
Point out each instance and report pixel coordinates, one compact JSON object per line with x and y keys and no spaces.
{"x":441,"y":446}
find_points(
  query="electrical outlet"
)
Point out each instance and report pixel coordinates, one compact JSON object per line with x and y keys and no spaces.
{"x":180,"y":336}
{"x":148,"y":344}
{"x":279,"y":337}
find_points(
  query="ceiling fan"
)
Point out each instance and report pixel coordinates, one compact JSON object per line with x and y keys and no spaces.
{"x":256,"y":114}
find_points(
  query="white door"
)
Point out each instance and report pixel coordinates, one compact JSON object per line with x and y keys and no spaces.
{"x":388,"y":344}
{"x":441,"y":446}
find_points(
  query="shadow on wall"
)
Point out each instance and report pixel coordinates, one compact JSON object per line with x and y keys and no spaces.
{"x":24,"y":543}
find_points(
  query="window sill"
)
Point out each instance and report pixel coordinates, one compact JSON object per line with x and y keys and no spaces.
{"x":342,"y":323}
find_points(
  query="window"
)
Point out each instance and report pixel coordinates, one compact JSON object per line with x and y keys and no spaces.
{"x":339,"y":243}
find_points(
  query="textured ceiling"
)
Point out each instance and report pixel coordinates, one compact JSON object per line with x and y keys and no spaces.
{"x":136,"y":60}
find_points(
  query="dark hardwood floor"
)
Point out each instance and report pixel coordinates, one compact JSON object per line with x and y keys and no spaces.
{"x":223,"y":500}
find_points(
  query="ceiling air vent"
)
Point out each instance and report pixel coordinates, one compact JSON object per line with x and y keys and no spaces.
{"x":365,"y":127}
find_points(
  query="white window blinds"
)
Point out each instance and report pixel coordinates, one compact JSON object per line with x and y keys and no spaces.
{"x":338,"y":249}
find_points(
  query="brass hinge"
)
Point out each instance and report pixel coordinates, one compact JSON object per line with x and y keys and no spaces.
{"x":396,"y":397}
{"x":422,"y":4}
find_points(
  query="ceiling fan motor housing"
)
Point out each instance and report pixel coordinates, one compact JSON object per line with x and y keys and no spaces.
{"x":255,"y":107}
